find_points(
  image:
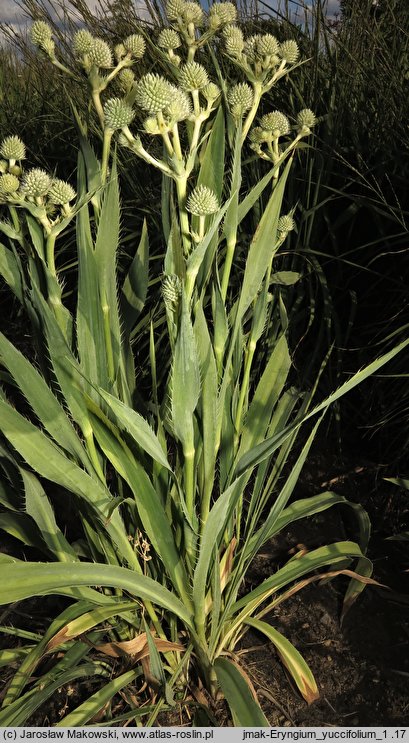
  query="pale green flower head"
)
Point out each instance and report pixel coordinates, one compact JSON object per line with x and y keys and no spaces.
{"x":175,"y":9}
{"x":135,"y":44}
{"x":41,"y":34}
{"x":267,"y":46}
{"x":240,"y":98}
{"x":169,"y":39}
{"x":171,"y":291}
{"x":233,"y":40}
{"x":180,"y":107}
{"x":12,"y":148}
{"x":154,"y":93}
{"x":126,"y":79}
{"x":9,"y":184}
{"x":202,"y":201}
{"x":257,"y":136}
{"x":289,"y":51}
{"x":306,"y":119}
{"x":221,"y":14}
{"x":119,"y":52}
{"x":193,"y":13}
{"x":285,"y":224}
{"x":100,"y":54}
{"x":250,"y":47}
{"x":60,"y":192}
{"x":276,"y":123}
{"x":193,"y":76}
{"x":151,"y":126}
{"x":36,"y":183}
{"x":118,"y":114}
{"x":211,"y":92}
{"x":82,"y":42}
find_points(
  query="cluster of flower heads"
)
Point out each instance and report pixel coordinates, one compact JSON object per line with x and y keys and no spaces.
{"x":259,"y":55}
{"x":35,"y":185}
{"x":275,"y":125}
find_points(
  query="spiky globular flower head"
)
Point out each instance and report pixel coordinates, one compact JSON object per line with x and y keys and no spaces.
{"x":174,"y":9}
{"x":36,"y":183}
{"x":276,"y":123}
{"x":118,"y":114}
{"x":250,"y":47}
{"x":202,"y":201}
{"x":267,"y":45}
{"x":119,"y":52}
{"x":257,"y":136}
{"x":220,"y":14}
{"x":169,"y":39}
{"x":100,"y":54}
{"x":154,"y":93}
{"x":233,"y":40}
{"x":41,"y":34}
{"x":193,"y":13}
{"x":135,"y":44}
{"x":60,"y":192}
{"x":12,"y":148}
{"x":180,"y":108}
{"x":193,"y":76}
{"x":289,"y":51}
{"x":126,"y":79}
{"x":171,"y":291}
{"x":306,"y":119}
{"x":9,"y":183}
{"x":211,"y":92}
{"x":82,"y":42}
{"x":240,"y":99}
{"x":285,"y":224}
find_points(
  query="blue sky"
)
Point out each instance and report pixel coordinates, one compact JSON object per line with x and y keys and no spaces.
{"x":11,"y":13}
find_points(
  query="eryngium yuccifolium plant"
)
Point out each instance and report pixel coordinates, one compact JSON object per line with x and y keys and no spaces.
{"x":100,"y":54}
{"x":60,"y":192}
{"x":240,"y":98}
{"x":82,"y":42}
{"x":154,"y":93}
{"x":179,"y":108}
{"x":211,"y":92}
{"x":117,"y":114}
{"x":169,"y":39}
{"x":306,"y":119}
{"x":12,"y":148}
{"x":135,"y":45}
{"x":221,"y":14}
{"x":36,"y":183}
{"x":174,"y":9}
{"x":171,"y":291}
{"x":276,"y":123}
{"x":9,"y":184}
{"x":202,"y":201}
{"x":126,"y":79}
{"x":289,"y":51}
{"x":267,"y":46}
{"x":193,"y":13}
{"x":193,"y":76}
{"x":233,"y":41}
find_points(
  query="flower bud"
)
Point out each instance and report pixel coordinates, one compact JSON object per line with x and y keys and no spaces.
{"x":169,"y":39}
{"x":289,"y":51}
{"x":202,"y":201}
{"x":257,"y":135}
{"x":61,"y":192}
{"x":306,"y":119}
{"x":171,"y":291}
{"x":220,"y":14}
{"x":233,"y":41}
{"x":135,"y":44}
{"x":41,"y":34}
{"x":154,"y":93}
{"x":211,"y":92}
{"x":117,"y":114}
{"x":193,"y":76}
{"x":12,"y":148}
{"x":180,"y":108}
{"x":276,"y":123}
{"x":285,"y":224}
{"x":82,"y":42}
{"x":36,"y":183}
{"x":240,"y":98}
{"x":119,"y":52}
{"x":126,"y":79}
{"x":100,"y":54}
{"x":9,"y":183}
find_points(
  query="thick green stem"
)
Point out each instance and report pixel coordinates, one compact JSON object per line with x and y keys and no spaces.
{"x":106,"y":149}
{"x":49,"y":253}
{"x":189,"y":477}
{"x":181,"y":190}
{"x":96,"y":99}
